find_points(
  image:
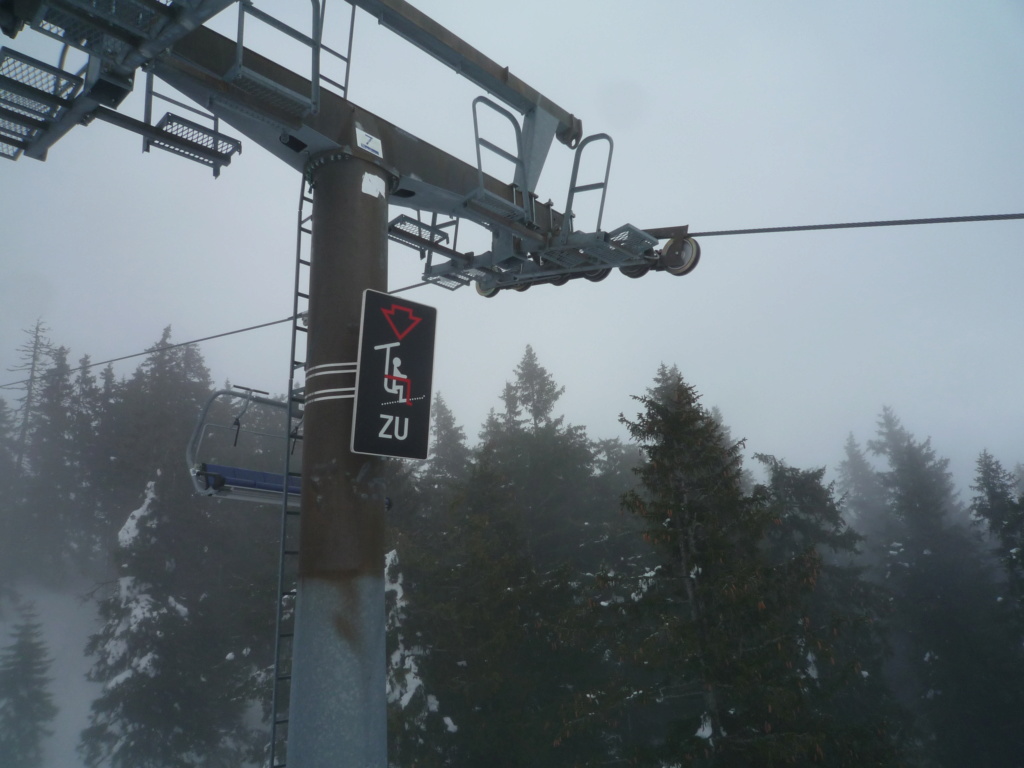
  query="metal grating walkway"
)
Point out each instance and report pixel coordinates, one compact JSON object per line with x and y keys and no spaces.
{"x":32,"y":96}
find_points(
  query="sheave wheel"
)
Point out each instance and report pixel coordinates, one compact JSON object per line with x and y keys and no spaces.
{"x":488,"y":291}
{"x":680,"y":256}
{"x":635,"y":270}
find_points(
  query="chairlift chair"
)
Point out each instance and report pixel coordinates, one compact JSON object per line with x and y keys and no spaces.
{"x":239,"y":447}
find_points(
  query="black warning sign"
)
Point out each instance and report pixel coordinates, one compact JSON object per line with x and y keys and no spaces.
{"x":394,"y":378}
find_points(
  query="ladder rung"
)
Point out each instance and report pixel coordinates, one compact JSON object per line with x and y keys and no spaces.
{"x":301,"y":329}
{"x":305,"y":262}
{"x":306,"y":231}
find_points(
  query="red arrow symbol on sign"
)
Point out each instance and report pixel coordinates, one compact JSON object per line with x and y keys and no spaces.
{"x":401,"y":325}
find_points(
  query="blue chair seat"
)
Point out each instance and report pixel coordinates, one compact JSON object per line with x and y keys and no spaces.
{"x":217,"y":477}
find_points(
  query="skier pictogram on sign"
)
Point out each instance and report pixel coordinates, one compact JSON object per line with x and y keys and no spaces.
{"x":394,"y":380}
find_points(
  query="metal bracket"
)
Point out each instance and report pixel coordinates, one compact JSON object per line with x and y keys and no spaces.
{"x":330,"y":393}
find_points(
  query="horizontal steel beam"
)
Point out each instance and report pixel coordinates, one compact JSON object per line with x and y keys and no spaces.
{"x":426,"y":34}
{"x":424,"y":177}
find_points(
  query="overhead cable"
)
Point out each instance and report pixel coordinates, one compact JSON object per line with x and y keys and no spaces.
{"x":715,"y":233}
{"x":861,"y":224}
{"x":187,"y":343}
{"x":155,"y":350}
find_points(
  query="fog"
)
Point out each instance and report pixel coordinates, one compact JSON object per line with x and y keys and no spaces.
{"x":724,"y":116}
{"x":68,"y":617}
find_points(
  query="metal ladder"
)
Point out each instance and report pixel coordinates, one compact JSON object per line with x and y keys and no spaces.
{"x":290,"y":520}
{"x":288,"y":568}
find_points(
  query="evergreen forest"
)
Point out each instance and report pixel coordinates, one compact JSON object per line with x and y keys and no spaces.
{"x":554,"y":599}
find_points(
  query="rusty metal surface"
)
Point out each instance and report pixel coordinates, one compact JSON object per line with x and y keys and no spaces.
{"x":339,"y":668}
{"x":342,"y":527}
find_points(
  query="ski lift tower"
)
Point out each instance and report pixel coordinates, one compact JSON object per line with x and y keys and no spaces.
{"x":357,"y":164}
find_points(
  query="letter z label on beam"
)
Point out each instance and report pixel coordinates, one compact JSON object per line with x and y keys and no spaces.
{"x":395,"y":377}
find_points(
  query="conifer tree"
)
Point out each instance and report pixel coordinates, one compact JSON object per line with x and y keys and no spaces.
{"x":548,"y":463}
{"x":490,"y":582}
{"x":189,"y":618}
{"x":156,"y":412}
{"x":864,"y":498}
{"x":450,"y":457}
{"x":691,"y":607}
{"x":535,"y":389}
{"x":173,"y":667}
{"x":418,"y":520}
{"x":495,"y":666}
{"x":106,"y":475}
{"x":88,"y":538}
{"x":10,"y":502}
{"x":62,"y":514}
{"x":8,"y":466}
{"x":52,"y":457}
{"x":32,"y":356}
{"x":1000,"y":506}
{"x":60,"y":501}
{"x":952,"y":655}
{"x":843,"y":704}
{"x":26,"y":702}
{"x":730,"y":632}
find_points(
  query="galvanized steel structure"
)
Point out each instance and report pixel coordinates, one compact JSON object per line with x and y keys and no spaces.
{"x":329,"y":698}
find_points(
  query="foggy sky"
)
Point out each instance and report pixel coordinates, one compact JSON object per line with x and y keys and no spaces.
{"x":723,"y":116}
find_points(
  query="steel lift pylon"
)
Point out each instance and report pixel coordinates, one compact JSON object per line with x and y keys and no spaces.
{"x":306,"y":120}
{"x":329,"y":706}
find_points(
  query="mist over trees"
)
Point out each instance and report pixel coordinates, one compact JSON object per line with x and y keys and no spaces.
{"x":26,"y":700}
{"x":554,"y":599}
